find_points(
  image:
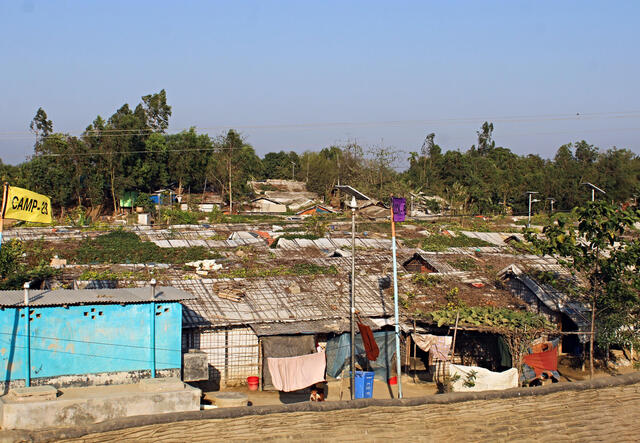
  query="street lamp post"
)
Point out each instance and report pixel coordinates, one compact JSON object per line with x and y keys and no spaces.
{"x":530,"y":193}
{"x":551,"y":202}
{"x":353,"y":205}
{"x":594,"y":188}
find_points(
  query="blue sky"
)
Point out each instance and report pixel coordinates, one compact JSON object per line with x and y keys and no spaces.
{"x":298,"y":75}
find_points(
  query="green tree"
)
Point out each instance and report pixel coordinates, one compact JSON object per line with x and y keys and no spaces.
{"x":41,"y":126}
{"x":607,"y":257}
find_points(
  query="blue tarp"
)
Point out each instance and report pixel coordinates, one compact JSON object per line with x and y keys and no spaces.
{"x":338,"y":353}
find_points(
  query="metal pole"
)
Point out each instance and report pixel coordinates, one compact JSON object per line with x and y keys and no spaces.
{"x":353,"y":297}
{"x":153,"y":328}
{"x":529,"y":219}
{"x":27,"y":347}
{"x":395,"y":302}
{"x":593,"y":194}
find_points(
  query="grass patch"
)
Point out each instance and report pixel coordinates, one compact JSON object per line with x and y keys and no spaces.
{"x":428,"y":280}
{"x":126,"y":247}
{"x":439,"y":243}
{"x":464,"y":264}
{"x":295,"y":270}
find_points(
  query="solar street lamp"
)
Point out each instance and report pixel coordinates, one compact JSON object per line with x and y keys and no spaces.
{"x":353,"y":205}
{"x":551,"y":201}
{"x":530,"y":193}
{"x":594,"y":188}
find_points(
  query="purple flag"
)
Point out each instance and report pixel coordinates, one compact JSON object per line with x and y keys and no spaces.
{"x":399,"y":207}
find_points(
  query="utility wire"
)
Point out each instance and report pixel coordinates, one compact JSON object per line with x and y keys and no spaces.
{"x":514,"y":119}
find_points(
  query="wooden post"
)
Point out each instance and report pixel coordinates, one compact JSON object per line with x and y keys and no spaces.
{"x":455,"y":333}
{"x":5,"y":192}
{"x":413,"y":363}
{"x":260,"y":378}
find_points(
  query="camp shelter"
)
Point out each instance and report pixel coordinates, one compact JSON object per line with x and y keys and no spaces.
{"x":163,"y":197}
{"x":316,"y":210}
{"x":555,"y":305}
{"x":474,"y":346}
{"x":89,"y":336}
{"x":230,"y":317}
{"x":422,"y":262}
{"x":128,"y":199}
{"x":267,"y":205}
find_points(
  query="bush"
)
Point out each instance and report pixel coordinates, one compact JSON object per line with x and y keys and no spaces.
{"x":144,"y":201}
{"x":14,"y":273}
{"x":178,"y":217}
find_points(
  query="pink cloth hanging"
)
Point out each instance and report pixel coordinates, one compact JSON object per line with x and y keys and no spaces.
{"x":293,"y":373}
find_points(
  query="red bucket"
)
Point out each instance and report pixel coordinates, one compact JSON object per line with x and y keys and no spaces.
{"x":253,"y":383}
{"x":393,"y":381}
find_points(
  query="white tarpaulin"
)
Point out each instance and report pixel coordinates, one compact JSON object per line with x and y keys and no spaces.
{"x":474,"y":378}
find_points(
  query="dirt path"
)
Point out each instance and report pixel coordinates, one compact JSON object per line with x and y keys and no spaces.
{"x":607,"y":414}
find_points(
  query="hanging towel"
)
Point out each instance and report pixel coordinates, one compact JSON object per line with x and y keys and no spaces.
{"x":293,"y":373}
{"x":439,"y":345}
{"x":424,"y":341}
{"x":370,"y":345}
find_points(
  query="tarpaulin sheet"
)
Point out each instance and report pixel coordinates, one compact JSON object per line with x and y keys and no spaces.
{"x":536,"y":363}
{"x":339,"y":352}
{"x":284,"y":346}
{"x":474,"y":378}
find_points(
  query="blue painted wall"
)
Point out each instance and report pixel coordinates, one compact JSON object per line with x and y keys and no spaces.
{"x":89,"y":339}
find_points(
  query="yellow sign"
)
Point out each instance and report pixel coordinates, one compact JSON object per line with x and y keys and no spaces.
{"x":23,"y":204}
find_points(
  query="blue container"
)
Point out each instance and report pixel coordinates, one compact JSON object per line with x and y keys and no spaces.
{"x":364,"y":384}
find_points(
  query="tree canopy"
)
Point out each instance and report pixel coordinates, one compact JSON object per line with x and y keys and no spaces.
{"x":131,"y":150}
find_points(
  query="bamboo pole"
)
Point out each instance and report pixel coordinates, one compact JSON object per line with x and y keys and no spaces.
{"x":5,"y":192}
{"x":413,"y":362}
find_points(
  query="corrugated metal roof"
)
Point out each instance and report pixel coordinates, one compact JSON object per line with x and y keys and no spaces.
{"x":333,"y":243}
{"x":436,"y":260}
{"x":495,"y":238}
{"x":268,"y":300}
{"x":335,"y":325}
{"x":332,"y":325}
{"x":62,"y":297}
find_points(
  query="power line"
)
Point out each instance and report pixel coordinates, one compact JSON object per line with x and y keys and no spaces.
{"x":505,"y":119}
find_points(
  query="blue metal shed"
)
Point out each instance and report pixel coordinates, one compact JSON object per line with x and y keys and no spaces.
{"x":74,"y":335}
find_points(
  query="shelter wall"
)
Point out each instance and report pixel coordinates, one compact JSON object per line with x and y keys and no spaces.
{"x":232,"y":353}
{"x":90,"y":339}
{"x":534,"y":304}
{"x":267,"y":206}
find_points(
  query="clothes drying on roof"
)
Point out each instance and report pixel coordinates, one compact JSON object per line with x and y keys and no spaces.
{"x":293,"y":373}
